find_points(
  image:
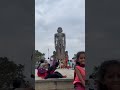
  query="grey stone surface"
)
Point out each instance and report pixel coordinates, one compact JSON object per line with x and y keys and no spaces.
{"x":54,"y":84}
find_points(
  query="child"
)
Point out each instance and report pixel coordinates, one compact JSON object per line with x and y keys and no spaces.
{"x":109,"y":75}
{"x":79,"y":74}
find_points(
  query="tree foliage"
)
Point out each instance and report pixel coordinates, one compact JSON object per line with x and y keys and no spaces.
{"x":9,"y":71}
{"x":75,"y":56}
{"x":39,"y":55}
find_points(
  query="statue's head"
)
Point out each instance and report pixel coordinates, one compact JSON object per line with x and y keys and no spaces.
{"x":59,"y":30}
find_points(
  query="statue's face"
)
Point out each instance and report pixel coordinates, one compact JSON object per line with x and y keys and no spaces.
{"x":59,"y":30}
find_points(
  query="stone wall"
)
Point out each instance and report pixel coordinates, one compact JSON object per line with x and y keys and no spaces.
{"x":54,"y":84}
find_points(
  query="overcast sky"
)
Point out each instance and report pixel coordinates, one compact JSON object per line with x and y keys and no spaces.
{"x":68,"y":14}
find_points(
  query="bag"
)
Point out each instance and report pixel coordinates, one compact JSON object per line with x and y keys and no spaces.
{"x":42,"y":70}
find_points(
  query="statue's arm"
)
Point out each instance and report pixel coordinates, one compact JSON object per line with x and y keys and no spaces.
{"x":64,"y":40}
{"x":55,"y":39}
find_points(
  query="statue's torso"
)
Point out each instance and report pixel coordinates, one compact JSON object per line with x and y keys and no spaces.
{"x":60,"y":37}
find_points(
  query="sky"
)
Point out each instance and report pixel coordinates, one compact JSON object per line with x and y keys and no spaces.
{"x":68,"y":14}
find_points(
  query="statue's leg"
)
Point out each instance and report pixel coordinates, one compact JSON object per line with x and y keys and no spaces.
{"x":60,"y":49}
{"x":57,"y":51}
{"x":63,"y":56}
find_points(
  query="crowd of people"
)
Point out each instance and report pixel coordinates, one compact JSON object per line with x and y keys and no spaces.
{"x":108,"y":75}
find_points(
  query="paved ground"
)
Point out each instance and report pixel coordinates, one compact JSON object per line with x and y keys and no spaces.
{"x":68,"y":72}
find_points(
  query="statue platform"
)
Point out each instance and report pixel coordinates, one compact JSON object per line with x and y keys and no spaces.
{"x":56,"y":83}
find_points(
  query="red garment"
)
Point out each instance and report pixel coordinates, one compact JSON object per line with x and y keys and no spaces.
{"x":78,"y":86}
{"x":42,"y":75}
{"x":77,"y":81}
{"x":82,"y":71}
{"x":47,"y":72}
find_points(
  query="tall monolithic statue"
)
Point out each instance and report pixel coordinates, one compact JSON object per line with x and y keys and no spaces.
{"x":60,"y":44}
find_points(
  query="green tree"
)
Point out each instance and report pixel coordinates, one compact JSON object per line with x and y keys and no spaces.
{"x":39,"y":55}
{"x":75,"y":56}
{"x":9,"y":71}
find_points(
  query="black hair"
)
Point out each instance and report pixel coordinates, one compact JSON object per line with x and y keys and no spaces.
{"x":102,"y":72}
{"x":42,"y":61}
{"x":78,"y":55}
{"x":56,"y":64}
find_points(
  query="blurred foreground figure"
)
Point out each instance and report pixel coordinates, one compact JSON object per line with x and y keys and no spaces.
{"x":109,"y":75}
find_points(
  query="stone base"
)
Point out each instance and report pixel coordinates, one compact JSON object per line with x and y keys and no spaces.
{"x":54,"y":84}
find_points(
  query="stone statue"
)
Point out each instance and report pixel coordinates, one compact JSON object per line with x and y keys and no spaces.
{"x":60,"y":44}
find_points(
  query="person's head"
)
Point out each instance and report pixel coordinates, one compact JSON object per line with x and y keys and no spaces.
{"x":109,"y":75}
{"x":80,"y":58}
{"x":42,"y":61}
